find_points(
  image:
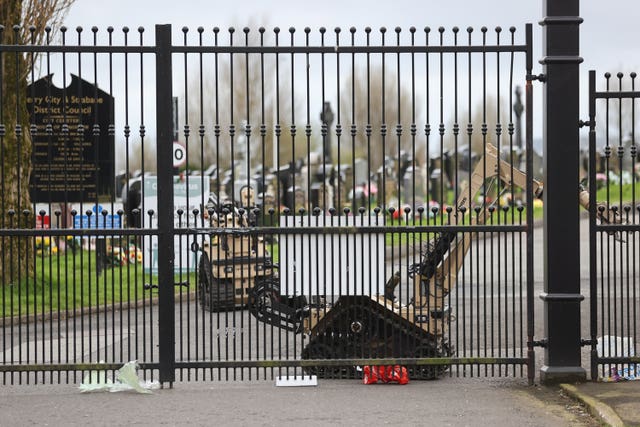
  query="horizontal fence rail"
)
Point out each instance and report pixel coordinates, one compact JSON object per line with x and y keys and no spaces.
{"x":230,"y":205}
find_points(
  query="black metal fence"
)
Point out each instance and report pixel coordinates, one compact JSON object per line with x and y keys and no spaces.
{"x":302,"y":203}
{"x":614,"y":225}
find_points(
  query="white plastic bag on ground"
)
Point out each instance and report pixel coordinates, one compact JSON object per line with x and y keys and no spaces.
{"x":612,"y":346}
{"x":96,"y":381}
{"x":126,"y":379}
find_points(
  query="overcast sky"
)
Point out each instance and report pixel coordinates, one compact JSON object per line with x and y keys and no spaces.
{"x":609,"y":35}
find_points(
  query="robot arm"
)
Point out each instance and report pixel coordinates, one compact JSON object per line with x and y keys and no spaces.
{"x":439,"y":267}
{"x":604,"y":213}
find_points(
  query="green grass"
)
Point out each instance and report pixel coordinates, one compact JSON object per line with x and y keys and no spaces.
{"x":401,"y":239}
{"x":66,"y":282}
{"x":615,"y":196}
{"x":509,"y":217}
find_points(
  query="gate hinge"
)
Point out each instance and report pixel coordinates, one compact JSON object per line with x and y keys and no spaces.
{"x":584,"y":342}
{"x":539,"y":77}
{"x":539,"y":343}
{"x":583,"y":123}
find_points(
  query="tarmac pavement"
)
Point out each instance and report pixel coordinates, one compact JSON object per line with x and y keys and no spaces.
{"x":445,"y":402}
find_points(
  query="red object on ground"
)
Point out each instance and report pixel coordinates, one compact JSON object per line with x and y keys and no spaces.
{"x":385,"y":374}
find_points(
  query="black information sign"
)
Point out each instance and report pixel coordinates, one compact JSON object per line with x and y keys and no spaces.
{"x":73,"y":146}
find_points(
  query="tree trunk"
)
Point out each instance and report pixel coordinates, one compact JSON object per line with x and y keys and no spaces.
{"x":15,"y":153}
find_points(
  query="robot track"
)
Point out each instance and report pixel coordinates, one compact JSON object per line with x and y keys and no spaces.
{"x":358,"y":327}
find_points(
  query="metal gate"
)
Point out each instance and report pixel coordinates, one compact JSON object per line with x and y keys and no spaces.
{"x":310,"y":202}
{"x":614,"y":223}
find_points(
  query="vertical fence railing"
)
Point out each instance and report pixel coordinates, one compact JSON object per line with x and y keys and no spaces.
{"x":614,"y":226}
{"x":75,"y":296}
{"x":316,"y":212}
{"x":368,"y":191}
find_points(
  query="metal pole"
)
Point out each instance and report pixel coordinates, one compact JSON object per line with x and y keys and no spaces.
{"x":593,"y":255}
{"x":561,"y":296}
{"x":528,"y":157}
{"x":164,"y":126}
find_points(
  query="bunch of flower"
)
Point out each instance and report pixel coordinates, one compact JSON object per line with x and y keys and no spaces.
{"x":601,"y":180}
{"x":45,"y":246}
{"x":71,"y":243}
{"x":124,"y":256}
